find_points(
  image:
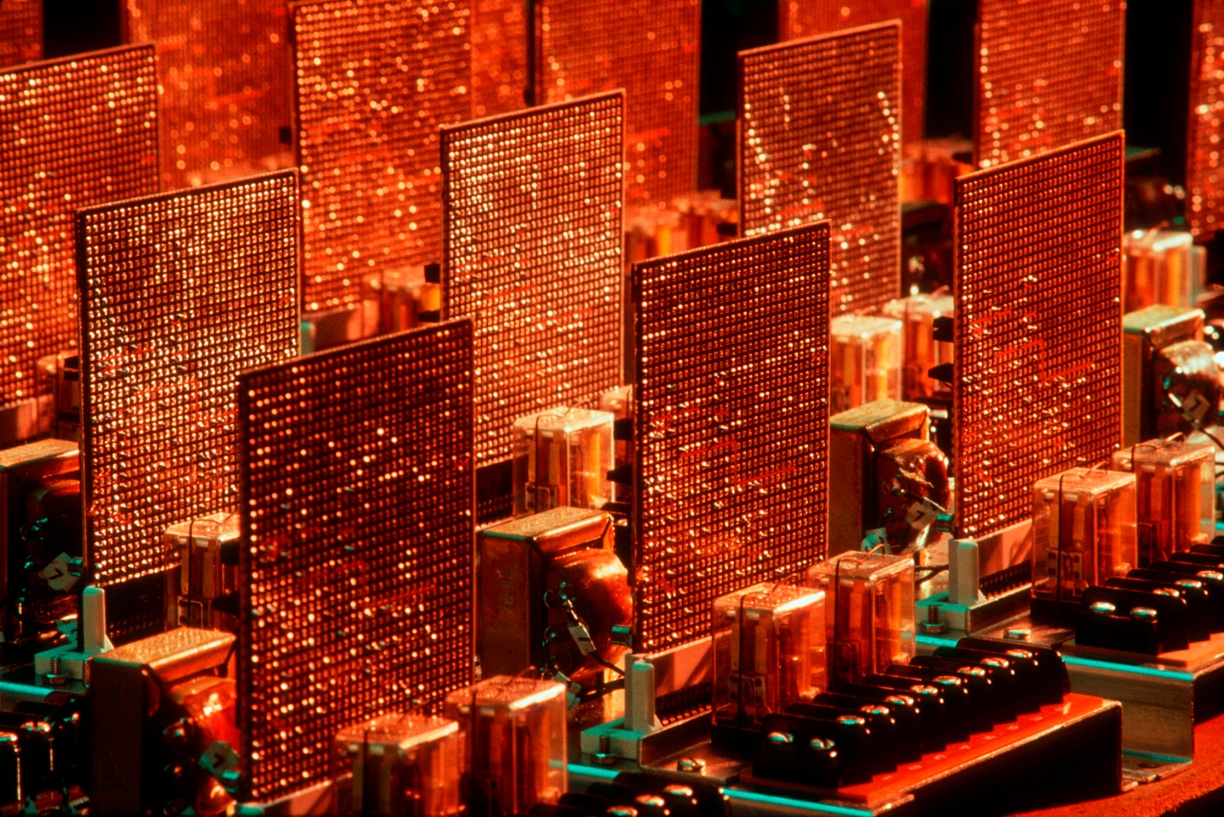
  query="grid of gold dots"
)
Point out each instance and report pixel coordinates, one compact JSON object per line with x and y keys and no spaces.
{"x":21,"y":31}
{"x":223,"y":66}
{"x":1047,"y":76}
{"x":180,"y":293}
{"x":374,"y":82}
{"x":1204,"y":149}
{"x":732,"y":424}
{"x":1038,"y":330}
{"x":499,"y":56}
{"x":75,"y":132}
{"x":820,"y":138}
{"x":532,"y":252}
{"x":357,"y":566}
{"x":650,"y":49}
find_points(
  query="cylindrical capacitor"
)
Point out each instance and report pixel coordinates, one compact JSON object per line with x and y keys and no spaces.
{"x":10,"y":769}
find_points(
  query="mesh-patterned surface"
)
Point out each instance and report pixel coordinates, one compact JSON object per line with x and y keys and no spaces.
{"x":1049,"y":74}
{"x":75,"y":132}
{"x":1204,"y":159}
{"x":499,"y":56}
{"x":180,"y":293}
{"x":532,"y":253}
{"x":820,"y":139}
{"x":374,"y":82}
{"x":1038,"y":351}
{"x":357,"y":569}
{"x":732,"y":424}
{"x":224,"y":70}
{"x":804,"y":18}
{"x":21,"y":31}
{"x":650,"y":49}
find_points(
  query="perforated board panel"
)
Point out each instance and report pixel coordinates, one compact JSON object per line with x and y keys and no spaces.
{"x":820,"y":138}
{"x":374,"y":82}
{"x":532,"y":253}
{"x":180,"y":292}
{"x":650,"y":49}
{"x":224,"y":70}
{"x":804,"y":18}
{"x":65,"y":146}
{"x":499,"y":56}
{"x":1049,"y":74}
{"x":1204,"y":157}
{"x":358,"y":557}
{"x":732,"y":424}
{"x":1038,"y":332}
{"x":21,"y":31}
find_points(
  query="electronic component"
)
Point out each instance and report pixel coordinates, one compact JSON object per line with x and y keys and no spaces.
{"x":731,"y":425}
{"x":514,"y":731}
{"x":21,"y":33}
{"x":1037,"y":385}
{"x":646,"y":47}
{"x":562,"y":457}
{"x":400,"y":298}
{"x":769,"y":651}
{"x":864,"y":360}
{"x":921,"y":352}
{"x":356,"y":571}
{"x":1170,"y":377}
{"x":1162,"y":267}
{"x":399,"y":765}
{"x":1204,"y":184}
{"x":820,"y":138}
{"x":1175,"y":492}
{"x":1083,"y":532}
{"x":203,"y":592}
{"x":869,"y":612}
{"x":1043,"y":82}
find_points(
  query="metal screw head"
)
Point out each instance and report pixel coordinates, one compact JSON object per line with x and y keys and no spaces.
{"x":1143,"y":613}
{"x":1017,"y":634}
{"x":780,"y":738}
{"x":691,"y":764}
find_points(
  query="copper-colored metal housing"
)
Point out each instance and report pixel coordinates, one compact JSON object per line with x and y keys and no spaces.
{"x":223,"y":66}
{"x":179,"y":293}
{"x":357,"y":559}
{"x":21,"y":31}
{"x":532,"y":253}
{"x":1204,"y":154}
{"x":76,"y":132}
{"x":820,"y":138}
{"x":732,"y":424}
{"x":1047,"y":76}
{"x":1038,"y":332}
{"x":374,"y":81}
{"x":804,"y":18}
{"x":650,"y":49}
{"x":499,"y":56}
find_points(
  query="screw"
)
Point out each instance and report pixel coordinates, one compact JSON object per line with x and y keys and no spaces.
{"x":691,"y":764}
{"x":933,"y":626}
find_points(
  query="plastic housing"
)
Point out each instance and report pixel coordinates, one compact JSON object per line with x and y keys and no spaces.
{"x":919,"y":350}
{"x":408,"y":765}
{"x":1175,"y":495}
{"x":1162,"y":267}
{"x":864,"y":360}
{"x":207,"y":553}
{"x":562,"y":457}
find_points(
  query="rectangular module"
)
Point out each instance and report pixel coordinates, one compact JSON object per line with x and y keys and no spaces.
{"x":732,"y":425}
{"x":357,"y":558}
{"x":21,"y":31}
{"x":1204,"y":174}
{"x":499,"y":56}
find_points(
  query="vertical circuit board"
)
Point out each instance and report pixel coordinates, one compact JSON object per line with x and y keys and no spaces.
{"x":374,"y":81}
{"x":1048,"y":74}
{"x":21,"y":31}
{"x":76,"y":132}
{"x":179,"y":293}
{"x":648,"y":48}
{"x":1038,"y":332}
{"x":532,"y":253}
{"x":732,"y":424}
{"x":1204,"y":153}
{"x":358,"y":537}
{"x":499,"y":56}
{"x":820,"y":138}
{"x":804,"y":18}
{"x":223,"y":66}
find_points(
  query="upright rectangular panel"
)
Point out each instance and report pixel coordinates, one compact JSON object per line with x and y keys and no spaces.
{"x":21,"y":31}
{"x":357,"y":560}
{"x":499,"y":56}
{"x":1204,"y":155}
{"x":223,"y":66}
{"x":732,"y":424}
{"x":1038,"y":339}
{"x":374,"y":81}
{"x":804,"y":18}
{"x":1048,"y":74}
{"x":820,"y":138}
{"x":75,"y":132}
{"x":650,"y":48}
{"x":179,"y":293}
{"x":532,"y":253}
